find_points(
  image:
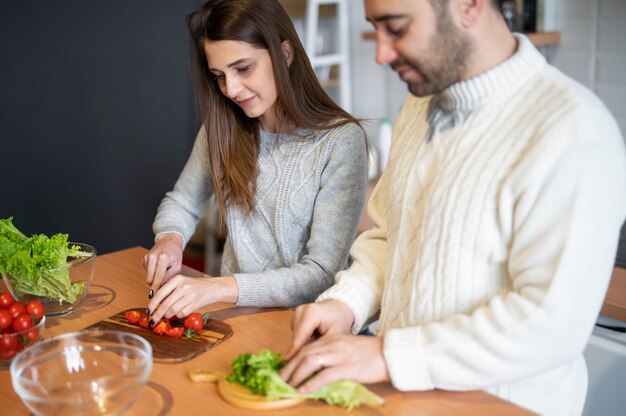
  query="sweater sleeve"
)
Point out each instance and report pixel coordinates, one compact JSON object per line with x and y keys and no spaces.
{"x":361,"y":286}
{"x":182,"y":207}
{"x":336,"y":214}
{"x":565,"y":203}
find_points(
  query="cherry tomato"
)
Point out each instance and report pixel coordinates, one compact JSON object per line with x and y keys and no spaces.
{"x":35,"y":308}
{"x":161,"y":327}
{"x":32,"y":335}
{"x":133,"y":316}
{"x":8,"y":343}
{"x":22,"y":323}
{"x":144,"y":321}
{"x":6,"y":319}
{"x":194,"y":321}
{"x":17,"y":309}
{"x":6,"y":300}
{"x":8,"y":355}
{"x":176,"y":332}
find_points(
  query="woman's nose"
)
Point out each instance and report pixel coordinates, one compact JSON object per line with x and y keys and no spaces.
{"x":231,"y":86}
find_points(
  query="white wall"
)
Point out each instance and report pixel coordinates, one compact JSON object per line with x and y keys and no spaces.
{"x":593,"y":51}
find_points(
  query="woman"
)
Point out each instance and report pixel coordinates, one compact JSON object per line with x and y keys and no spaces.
{"x":286,"y":165}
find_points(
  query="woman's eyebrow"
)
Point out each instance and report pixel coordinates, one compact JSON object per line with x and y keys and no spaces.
{"x":232,"y":64}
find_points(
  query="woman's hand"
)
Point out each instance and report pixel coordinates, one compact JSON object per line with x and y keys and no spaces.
{"x":164,"y":261}
{"x":337,"y":357}
{"x":316,"y":319}
{"x":183,"y":295}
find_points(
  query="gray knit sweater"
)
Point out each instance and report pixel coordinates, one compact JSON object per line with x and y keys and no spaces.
{"x":309,"y":198}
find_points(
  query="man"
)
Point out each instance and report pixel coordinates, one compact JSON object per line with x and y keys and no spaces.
{"x":497,"y":221}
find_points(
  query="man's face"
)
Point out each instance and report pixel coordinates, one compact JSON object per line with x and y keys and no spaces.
{"x":423,"y":45}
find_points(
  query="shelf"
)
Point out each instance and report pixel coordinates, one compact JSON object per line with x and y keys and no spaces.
{"x":537,"y":38}
{"x":297,"y":9}
{"x":544,"y":38}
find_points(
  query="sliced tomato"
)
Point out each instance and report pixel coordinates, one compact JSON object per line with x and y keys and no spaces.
{"x":144,"y":321}
{"x":161,"y":327}
{"x":133,"y":316}
{"x":175,"y":332}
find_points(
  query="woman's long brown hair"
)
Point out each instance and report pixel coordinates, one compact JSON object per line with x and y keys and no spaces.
{"x":233,"y":138}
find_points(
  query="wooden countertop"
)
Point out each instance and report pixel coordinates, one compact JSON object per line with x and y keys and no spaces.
{"x":615,"y":301}
{"x":118,"y":284}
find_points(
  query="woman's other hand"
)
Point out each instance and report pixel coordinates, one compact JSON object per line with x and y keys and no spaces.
{"x":164,"y":261}
{"x":182,"y":295}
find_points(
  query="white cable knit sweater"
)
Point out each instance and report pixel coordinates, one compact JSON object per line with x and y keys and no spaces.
{"x":497,"y":222}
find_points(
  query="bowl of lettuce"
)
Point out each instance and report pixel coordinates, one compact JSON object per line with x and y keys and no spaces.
{"x":52,"y":270}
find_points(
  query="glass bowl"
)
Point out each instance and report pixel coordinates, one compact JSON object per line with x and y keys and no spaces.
{"x":82,"y":373}
{"x":80,"y":271}
{"x":12,"y":343}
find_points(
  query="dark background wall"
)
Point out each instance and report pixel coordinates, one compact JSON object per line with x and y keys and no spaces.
{"x":97,"y":115}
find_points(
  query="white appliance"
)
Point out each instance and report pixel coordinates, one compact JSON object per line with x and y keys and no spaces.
{"x":605,"y":355}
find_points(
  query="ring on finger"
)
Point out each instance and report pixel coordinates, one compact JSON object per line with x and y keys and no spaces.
{"x":320,"y":360}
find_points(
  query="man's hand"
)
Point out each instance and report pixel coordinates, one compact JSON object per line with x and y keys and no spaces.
{"x":316,"y":319}
{"x":337,"y":357}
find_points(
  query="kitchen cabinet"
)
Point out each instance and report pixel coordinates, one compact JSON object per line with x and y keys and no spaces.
{"x":323,"y":27}
{"x":605,"y":353}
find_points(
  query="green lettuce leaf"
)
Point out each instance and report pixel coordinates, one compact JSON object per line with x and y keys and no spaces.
{"x":36,"y":265}
{"x":259,"y":373}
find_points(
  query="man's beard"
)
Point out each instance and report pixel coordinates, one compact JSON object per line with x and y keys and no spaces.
{"x":449,"y":52}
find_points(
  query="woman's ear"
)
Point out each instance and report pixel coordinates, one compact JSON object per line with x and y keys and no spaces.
{"x":287,"y":51}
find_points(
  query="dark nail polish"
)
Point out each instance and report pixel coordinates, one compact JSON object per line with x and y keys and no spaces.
{"x":150,"y":293}
{"x":147,"y":311}
{"x":151,"y":323}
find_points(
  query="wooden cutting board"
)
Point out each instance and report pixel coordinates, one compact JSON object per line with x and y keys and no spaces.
{"x":167,"y":349}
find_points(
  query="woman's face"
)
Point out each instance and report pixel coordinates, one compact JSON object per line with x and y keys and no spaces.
{"x":244,"y":74}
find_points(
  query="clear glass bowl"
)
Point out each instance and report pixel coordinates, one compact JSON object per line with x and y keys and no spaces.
{"x":80,"y":271}
{"x":22,"y":340}
{"x":82,"y":373}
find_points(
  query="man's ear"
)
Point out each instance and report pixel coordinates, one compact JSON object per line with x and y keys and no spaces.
{"x":469,"y":11}
{"x":287,"y":51}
